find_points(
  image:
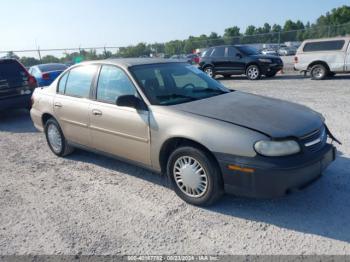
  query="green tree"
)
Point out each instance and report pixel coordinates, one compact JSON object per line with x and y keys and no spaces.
{"x":49,"y":59}
{"x":12,"y":55}
{"x":251,"y":30}
{"x":232,"y":35}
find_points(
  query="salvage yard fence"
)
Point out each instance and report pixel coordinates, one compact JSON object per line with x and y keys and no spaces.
{"x":76,"y":54}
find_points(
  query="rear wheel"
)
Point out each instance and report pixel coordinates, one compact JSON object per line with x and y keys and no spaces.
{"x":253,"y":72}
{"x":318,"y":72}
{"x":55,"y":138}
{"x":195,"y":176}
{"x":209,"y":70}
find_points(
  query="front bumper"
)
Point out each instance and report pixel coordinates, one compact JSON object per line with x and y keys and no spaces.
{"x":269,"y":68}
{"x":274,"y":176}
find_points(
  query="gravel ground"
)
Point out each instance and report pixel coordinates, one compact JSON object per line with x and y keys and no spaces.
{"x":91,"y":204}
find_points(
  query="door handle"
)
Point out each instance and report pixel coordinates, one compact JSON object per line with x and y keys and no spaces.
{"x":58,"y":104}
{"x":96,"y":112}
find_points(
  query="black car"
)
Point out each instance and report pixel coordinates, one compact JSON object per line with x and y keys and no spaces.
{"x":238,"y":60}
{"x":16,"y":85}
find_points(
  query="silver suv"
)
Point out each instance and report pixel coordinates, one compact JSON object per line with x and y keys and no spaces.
{"x":324,"y":57}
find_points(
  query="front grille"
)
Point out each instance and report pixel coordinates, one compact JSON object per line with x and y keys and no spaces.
{"x":315,"y":140}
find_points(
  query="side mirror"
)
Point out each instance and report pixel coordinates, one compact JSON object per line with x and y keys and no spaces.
{"x":239,"y":55}
{"x":131,"y":101}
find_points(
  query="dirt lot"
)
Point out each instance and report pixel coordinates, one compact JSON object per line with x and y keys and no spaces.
{"x":95,"y":205}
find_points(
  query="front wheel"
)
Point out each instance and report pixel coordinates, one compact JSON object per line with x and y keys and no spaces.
{"x":55,"y":139}
{"x":195,"y":176}
{"x":253,"y":72}
{"x":318,"y":72}
{"x":209,"y":71}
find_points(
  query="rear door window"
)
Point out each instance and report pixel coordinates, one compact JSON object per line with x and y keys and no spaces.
{"x":324,"y":46}
{"x":79,"y":81}
{"x":231,"y":52}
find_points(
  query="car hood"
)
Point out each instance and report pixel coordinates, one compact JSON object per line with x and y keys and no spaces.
{"x":272,"y":117}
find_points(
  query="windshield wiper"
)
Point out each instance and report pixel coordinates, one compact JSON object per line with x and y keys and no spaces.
{"x":209,"y":90}
{"x":176,"y":96}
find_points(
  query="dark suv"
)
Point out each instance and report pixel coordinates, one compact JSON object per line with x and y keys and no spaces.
{"x":16,"y":85}
{"x":238,"y":60}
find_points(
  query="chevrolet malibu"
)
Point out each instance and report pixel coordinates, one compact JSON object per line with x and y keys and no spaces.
{"x":172,"y":118}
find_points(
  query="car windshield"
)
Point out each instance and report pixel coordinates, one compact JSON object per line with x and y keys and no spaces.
{"x":52,"y":67}
{"x":175,"y":83}
{"x":248,"y":50}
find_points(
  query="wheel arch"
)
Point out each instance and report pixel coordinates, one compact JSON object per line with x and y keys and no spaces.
{"x":252,"y":63}
{"x":172,"y":143}
{"x":318,"y":62}
{"x":45,"y":117}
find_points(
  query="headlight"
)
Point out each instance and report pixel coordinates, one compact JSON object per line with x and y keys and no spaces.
{"x":265,"y":60}
{"x":277,"y":148}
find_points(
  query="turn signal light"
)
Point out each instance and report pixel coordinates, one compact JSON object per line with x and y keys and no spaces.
{"x":242,"y":169}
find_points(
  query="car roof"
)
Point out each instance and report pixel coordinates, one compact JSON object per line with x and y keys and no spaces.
{"x":129,"y":62}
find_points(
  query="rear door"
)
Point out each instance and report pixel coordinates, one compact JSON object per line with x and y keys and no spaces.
{"x":14,"y":80}
{"x":71,"y":103}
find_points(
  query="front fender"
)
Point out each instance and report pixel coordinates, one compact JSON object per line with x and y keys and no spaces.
{"x":218,"y":136}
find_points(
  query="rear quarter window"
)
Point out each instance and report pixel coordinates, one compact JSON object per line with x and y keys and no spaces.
{"x":324,"y":46}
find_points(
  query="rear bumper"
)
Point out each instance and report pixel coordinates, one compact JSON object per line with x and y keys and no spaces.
{"x":274,"y":177}
{"x":21,"y":101}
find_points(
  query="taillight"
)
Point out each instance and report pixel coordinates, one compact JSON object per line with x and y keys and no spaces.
{"x":296,"y":60}
{"x":32,"y":81}
{"x":196,"y":59}
{"x":45,"y":76}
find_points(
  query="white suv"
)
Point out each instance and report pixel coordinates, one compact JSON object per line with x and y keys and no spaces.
{"x":324,"y":57}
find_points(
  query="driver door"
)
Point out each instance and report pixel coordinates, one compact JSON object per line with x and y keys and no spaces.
{"x":120,"y":131}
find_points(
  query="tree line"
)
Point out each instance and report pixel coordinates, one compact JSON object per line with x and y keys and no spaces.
{"x":333,"y":23}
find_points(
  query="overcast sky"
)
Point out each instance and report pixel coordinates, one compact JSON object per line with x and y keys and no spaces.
{"x":74,"y":23}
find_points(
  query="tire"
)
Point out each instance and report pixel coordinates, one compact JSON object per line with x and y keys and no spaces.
{"x":270,"y":74}
{"x":209,"y":70}
{"x":53,"y":132}
{"x":201,"y":188}
{"x":253,"y":72}
{"x":318,"y":72}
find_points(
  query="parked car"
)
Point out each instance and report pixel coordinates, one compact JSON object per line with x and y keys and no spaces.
{"x":192,"y":58}
{"x":16,"y":85}
{"x":45,"y":74}
{"x":324,"y":57}
{"x":238,"y":60}
{"x":172,"y":118}
{"x":287,"y":51}
{"x":269,"y":51}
